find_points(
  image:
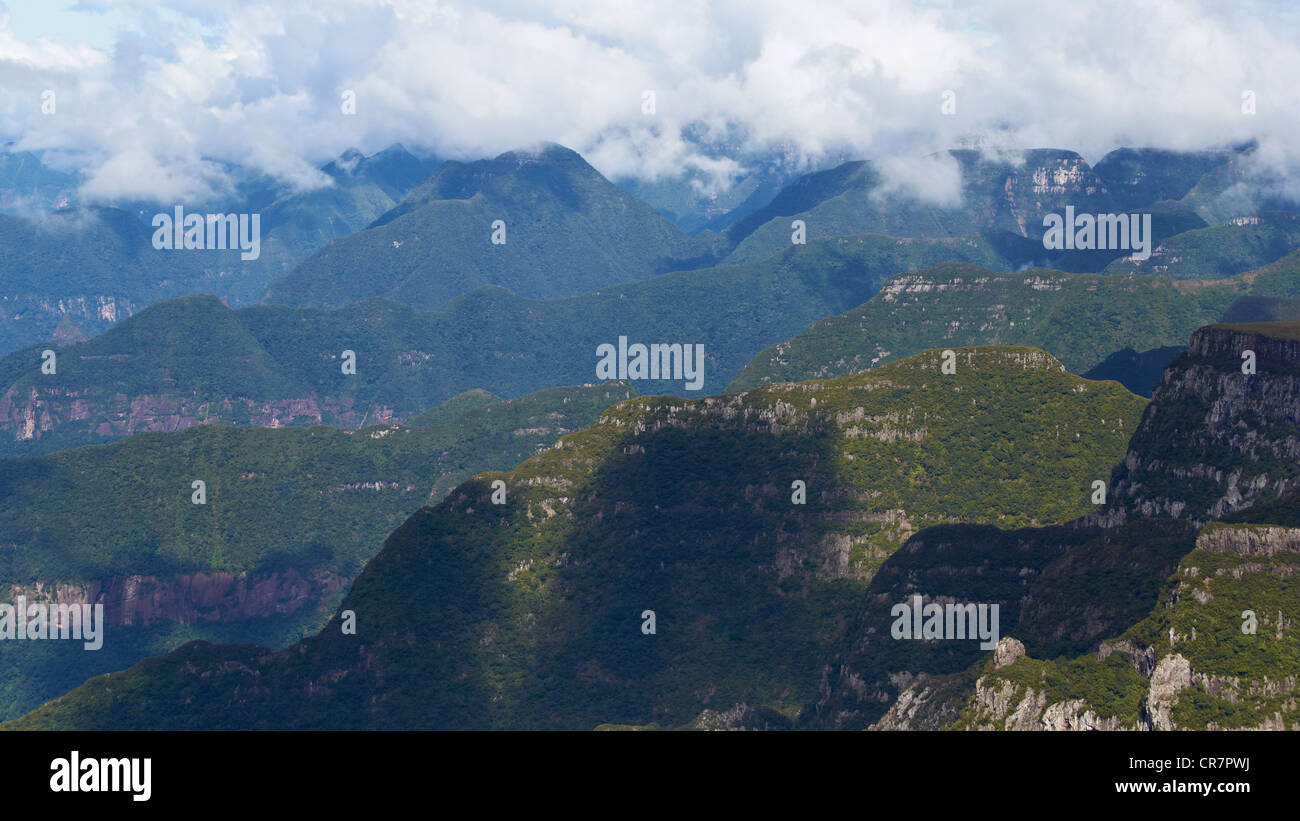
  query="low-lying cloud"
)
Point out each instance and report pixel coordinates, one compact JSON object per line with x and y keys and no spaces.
{"x":190,"y":87}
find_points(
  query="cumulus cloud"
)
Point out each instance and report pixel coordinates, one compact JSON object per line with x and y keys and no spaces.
{"x":933,"y":178}
{"x":192,"y":85}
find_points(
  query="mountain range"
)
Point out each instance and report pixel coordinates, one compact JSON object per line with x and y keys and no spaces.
{"x":97,"y":265}
{"x":888,"y":408}
{"x":1080,"y":318}
{"x":540,"y":224}
{"x":543,"y":223}
{"x":193,"y":360}
{"x":1119,"y":613}
{"x":530,"y":613}
{"x":289,"y":517}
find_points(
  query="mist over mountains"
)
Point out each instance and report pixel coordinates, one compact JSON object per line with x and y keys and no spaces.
{"x":440,"y":315}
{"x":425,"y":239}
{"x":97,"y":264}
{"x":568,"y":368}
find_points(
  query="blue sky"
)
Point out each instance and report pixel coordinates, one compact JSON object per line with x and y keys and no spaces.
{"x":67,"y":20}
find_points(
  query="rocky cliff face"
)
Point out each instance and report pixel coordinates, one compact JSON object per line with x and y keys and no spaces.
{"x":1260,"y":540}
{"x":1216,"y":440}
{"x":532,"y":620}
{"x":189,"y":599}
{"x":1060,"y":588}
{"x":1214,"y":654}
{"x":75,"y":419}
{"x":747,"y":527}
{"x":1220,"y":439}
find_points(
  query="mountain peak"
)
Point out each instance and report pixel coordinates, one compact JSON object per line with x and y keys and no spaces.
{"x":544,"y":152}
{"x":1217,"y":404}
{"x":394,"y":150}
{"x":345,"y":165}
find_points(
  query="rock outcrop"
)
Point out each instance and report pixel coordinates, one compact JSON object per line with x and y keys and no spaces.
{"x":190,"y":599}
{"x":1216,"y":439}
{"x":1195,"y":663}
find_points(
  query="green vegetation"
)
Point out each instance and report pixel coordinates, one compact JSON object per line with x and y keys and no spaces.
{"x":1263,"y":309}
{"x":455,"y":407}
{"x":859,"y":197}
{"x":1273,"y":330}
{"x":1243,"y":186}
{"x":528,"y":614}
{"x":1213,"y":442}
{"x":1239,"y":679}
{"x":313,"y":501}
{"x":33,"y":672}
{"x":568,"y":230}
{"x":1138,"y":177}
{"x":312,"y":498}
{"x":1111,"y":688}
{"x":98,"y":265}
{"x":193,"y":360}
{"x":1058,"y":588}
{"x":1203,"y":457}
{"x":1219,"y":251}
{"x":1079,"y":318}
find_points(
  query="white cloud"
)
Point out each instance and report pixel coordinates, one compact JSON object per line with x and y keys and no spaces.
{"x":260,"y":84}
{"x":933,"y":178}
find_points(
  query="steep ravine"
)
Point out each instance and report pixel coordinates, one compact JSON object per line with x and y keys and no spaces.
{"x":1218,"y":449}
{"x":1196,"y":662}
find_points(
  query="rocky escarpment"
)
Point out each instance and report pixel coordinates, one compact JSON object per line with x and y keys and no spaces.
{"x":1214,"y":654}
{"x":1058,"y":590}
{"x":1217,"y":438}
{"x":190,"y":599}
{"x":1259,"y":540}
{"x":741,"y":717}
{"x":144,"y":615}
{"x":679,"y":561}
{"x":1220,"y":440}
{"x":1009,"y":698}
{"x":29,"y":415}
